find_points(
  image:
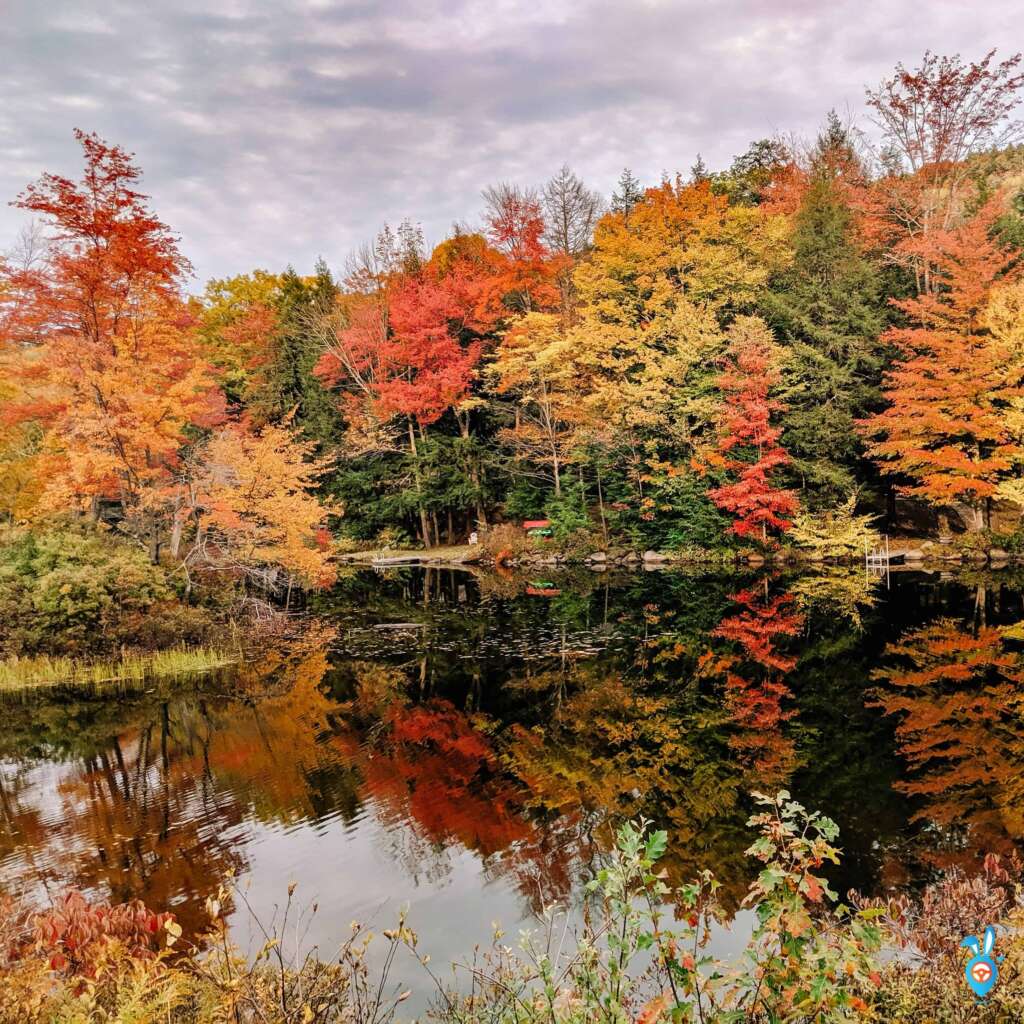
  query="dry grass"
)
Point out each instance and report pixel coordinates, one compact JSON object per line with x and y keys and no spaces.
{"x":19,"y":674}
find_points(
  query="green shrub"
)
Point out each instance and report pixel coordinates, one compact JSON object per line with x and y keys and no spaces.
{"x":67,"y":589}
{"x":568,"y":512}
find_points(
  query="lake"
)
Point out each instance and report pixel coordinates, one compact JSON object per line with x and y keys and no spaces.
{"x":462,"y":744}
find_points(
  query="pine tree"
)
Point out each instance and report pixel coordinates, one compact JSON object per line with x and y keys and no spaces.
{"x":629,"y":193}
{"x":287,"y":383}
{"x":827,"y":310}
{"x":699,"y":171}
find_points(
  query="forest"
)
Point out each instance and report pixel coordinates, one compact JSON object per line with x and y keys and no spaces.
{"x":822,"y":339}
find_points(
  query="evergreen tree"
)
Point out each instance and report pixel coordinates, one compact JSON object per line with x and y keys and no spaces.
{"x":304,"y":307}
{"x":628,"y":194}
{"x":827,"y":309}
{"x":699,"y":171}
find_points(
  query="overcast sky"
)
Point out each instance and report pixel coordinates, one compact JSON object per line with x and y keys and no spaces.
{"x":274,"y":131}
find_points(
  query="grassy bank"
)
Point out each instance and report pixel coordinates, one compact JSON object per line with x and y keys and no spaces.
{"x":24,"y":674}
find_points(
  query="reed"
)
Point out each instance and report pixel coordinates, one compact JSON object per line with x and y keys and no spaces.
{"x":18,"y":674}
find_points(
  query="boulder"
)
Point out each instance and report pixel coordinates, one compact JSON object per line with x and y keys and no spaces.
{"x":998,"y":555}
{"x":655,"y":557}
{"x":597,"y":556}
{"x":913,"y":555}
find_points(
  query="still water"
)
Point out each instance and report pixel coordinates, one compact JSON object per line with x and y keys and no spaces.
{"x":460,"y":744}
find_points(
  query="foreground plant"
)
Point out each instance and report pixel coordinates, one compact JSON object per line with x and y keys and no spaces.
{"x":809,"y":959}
{"x":806,"y":960}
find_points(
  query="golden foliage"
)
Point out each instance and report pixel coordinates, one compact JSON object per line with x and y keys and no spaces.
{"x":256,"y":506}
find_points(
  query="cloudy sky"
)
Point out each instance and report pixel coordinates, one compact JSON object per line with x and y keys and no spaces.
{"x":271,"y":131}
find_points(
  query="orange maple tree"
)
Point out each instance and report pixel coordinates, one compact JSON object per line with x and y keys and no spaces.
{"x":101,"y":345}
{"x":934,"y":119}
{"x":945,"y":428}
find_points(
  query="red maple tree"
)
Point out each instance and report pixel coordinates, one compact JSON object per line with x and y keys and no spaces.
{"x":106,"y":252}
{"x":526,"y":278}
{"x":748,"y":445}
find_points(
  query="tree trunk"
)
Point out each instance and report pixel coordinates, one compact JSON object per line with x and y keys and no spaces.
{"x":154,"y":540}
{"x":424,"y":521}
{"x":176,"y":531}
{"x":474,"y":472}
{"x":600,"y":502}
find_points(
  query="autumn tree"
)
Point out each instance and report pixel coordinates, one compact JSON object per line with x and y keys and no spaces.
{"x":752,"y":173}
{"x":527,"y":279}
{"x":530,"y":366}
{"x":934,"y":118}
{"x":945,"y":430}
{"x":237,"y":324}
{"x":253,"y":508}
{"x":107,"y":360}
{"x":654,"y":294}
{"x":407,"y":357}
{"x":748,"y":447}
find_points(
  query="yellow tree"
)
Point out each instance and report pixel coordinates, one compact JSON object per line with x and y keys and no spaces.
{"x":254,"y":509}
{"x":654,"y":294}
{"x":236,"y":324}
{"x":532,"y":364}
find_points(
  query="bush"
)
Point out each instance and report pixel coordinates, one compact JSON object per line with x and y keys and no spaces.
{"x":804,"y":962}
{"x":504,"y":540}
{"x":568,"y":512}
{"x":837,"y":533}
{"x":69,"y":589}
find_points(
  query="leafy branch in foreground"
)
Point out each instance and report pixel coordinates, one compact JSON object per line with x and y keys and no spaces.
{"x":807,"y":959}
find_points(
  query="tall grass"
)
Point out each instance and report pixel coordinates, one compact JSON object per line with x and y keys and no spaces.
{"x":19,"y":674}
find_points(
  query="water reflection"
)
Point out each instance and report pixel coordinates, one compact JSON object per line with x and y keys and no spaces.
{"x":464,"y":745}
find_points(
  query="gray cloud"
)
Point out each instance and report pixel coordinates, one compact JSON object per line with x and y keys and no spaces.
{"x":271,"y":132}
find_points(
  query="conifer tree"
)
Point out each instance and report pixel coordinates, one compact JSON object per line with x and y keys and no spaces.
{"x":827,"y":310}
{"x":628,"y":193}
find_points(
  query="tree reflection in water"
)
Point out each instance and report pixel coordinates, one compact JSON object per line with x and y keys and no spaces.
{"x":519,"y":729}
